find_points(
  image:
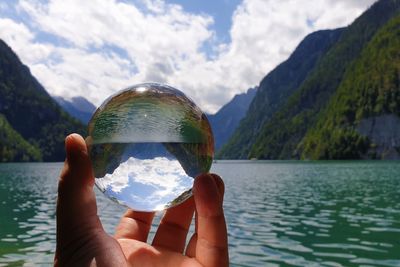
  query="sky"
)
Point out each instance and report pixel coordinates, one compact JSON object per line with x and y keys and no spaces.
{"x":146,"y":184}
{"x":209,"y":49}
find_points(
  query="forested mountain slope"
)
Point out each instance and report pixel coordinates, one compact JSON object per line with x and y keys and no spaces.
{"x":276,"y":87}
{"x":30,"y":110}
{"x":362,"y":119}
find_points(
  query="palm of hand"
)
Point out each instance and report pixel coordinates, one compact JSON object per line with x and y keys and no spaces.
{"x":146,"y":255}
{"x":169,"y":241}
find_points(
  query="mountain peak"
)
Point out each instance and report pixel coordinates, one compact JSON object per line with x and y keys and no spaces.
{"x":78,"y":107}
{"x":225,"y":121}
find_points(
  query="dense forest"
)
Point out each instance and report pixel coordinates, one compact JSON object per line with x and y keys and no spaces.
{"x":13,"y":147}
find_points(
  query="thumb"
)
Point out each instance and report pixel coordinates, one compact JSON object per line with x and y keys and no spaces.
{"x":77,"y":222}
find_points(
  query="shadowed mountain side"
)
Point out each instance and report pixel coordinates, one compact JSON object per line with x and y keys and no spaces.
{"x":276,"y":87}
{"x":30,"y":110}
{"x":281,"y":136}
{"x":13,"y":147}
{"x":78,"y":107}
{"x":225,"y":121}
{"x":362,"y":119}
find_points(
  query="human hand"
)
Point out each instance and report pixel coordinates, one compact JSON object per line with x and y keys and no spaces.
{"x":82,"y":241}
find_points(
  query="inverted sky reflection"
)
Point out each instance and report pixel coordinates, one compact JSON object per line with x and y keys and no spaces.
{"x":146,"y":184}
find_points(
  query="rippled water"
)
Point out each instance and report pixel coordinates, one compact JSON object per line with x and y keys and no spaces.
{"x":279,"y":213}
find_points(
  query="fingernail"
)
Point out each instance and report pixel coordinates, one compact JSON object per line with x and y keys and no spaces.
{"x":74,"y":149}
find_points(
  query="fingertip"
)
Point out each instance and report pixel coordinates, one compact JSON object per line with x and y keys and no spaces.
{"x":220,"y":183}
{"x":71,"y":137}
{"x":205,"y":185}
{"x":209,"y":184}
{"x":77,"y":163}
{"x":74,"y":143}
{"x":76,"y":149}
{"x":208,"y":193}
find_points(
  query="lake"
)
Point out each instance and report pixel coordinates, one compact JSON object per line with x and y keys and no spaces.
{"x":279,"y":213}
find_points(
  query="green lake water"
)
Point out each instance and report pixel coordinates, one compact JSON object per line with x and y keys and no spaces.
{"x":278,"y":213}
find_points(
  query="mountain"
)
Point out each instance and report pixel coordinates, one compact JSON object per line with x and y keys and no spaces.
{"x":78,"y":107}
{"x":225,"y":121}
{"x":276,"y":87}
{"x":297,"y":127}
{"x":29,"y":110}
{"x":362,"y":119}
{"x":13,"y":147}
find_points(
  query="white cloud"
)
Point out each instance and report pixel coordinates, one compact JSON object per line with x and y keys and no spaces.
{"x":146,"y":185}
{"x":14,"y":33}
{"x":105,"y":45}
{"x":156,"y":44}
{"x":21,"y":39}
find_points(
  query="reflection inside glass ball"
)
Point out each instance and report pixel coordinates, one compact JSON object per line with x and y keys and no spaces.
{"x":147,"y":143}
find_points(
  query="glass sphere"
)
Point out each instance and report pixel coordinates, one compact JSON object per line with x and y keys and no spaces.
{"x":147,"y":143}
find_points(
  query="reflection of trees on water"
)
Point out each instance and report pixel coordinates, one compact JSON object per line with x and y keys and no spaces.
{"x":190,"y":156}
{"x":106,"y":158}
{"x":196,"y":153}
{"x":193,"y":157}
{"x":181,"y":198}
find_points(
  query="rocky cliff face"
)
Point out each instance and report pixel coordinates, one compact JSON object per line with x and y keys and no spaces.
{"x":383,"y":133}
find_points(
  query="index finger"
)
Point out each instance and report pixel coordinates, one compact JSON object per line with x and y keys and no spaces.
{"x":212,"y":240}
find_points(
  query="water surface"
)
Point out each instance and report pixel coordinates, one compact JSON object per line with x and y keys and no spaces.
{"x":278,"y":213}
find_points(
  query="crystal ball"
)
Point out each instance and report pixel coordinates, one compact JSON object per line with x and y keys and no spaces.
{"x":147,"y":143}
